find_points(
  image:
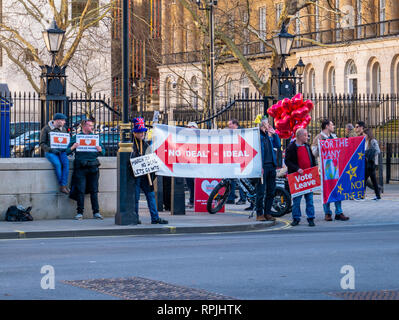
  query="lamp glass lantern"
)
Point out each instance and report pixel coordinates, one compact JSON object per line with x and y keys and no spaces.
{"x":300,"y":67}
{"x":283,"y":42}
{"x":53,"y":37}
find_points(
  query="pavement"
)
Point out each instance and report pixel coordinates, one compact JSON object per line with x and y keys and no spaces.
{"x":235,"y":219}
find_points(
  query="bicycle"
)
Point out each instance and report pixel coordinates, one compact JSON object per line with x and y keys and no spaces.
{"x":281,"y":202}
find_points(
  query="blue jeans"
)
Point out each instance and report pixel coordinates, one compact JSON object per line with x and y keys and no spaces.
{"x":296,"y":206}
{"x":150,"y":196}
{"x":60,"y":163}
{"x":338,"y":208}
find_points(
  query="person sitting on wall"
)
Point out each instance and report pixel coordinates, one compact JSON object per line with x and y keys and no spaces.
{"x":57,"y":156}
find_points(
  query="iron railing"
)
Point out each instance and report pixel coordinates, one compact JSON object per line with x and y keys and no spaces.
{"x":380,"y":112}
{"x":338,"y":36}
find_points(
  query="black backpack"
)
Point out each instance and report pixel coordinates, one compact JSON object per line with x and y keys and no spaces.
{"x":18,"y":213}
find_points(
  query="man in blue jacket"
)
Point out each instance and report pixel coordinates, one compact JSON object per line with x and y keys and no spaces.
{"x":270,"y":142}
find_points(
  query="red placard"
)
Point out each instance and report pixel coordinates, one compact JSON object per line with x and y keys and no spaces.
{"x":202,"y":190}
{"x":308,"y":182}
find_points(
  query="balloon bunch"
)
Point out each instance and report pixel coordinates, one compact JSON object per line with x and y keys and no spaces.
{"x":290,"y":115}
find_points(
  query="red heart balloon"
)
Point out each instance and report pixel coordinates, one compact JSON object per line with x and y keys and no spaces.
{"x":300,"y":113}
{"x":286,"y":105}
{"x":309,"y":104}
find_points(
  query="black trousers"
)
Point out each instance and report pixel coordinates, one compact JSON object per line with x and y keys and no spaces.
{"x":370,"y":173}
{"x":85,"y":180}
{"x":265,"y":191}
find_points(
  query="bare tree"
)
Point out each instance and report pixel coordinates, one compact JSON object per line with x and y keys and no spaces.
{"x":21,"y":39}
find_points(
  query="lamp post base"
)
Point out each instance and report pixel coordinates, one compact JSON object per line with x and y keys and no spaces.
{"x":126,"y":204}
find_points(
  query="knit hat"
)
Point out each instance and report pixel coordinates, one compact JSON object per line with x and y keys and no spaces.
{"x":59,"y":116}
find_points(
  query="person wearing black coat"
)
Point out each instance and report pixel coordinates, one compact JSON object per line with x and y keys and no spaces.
{"x":298,"y":157}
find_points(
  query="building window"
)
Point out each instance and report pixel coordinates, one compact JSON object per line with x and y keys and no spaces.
{"x":194,"y":93}
{"x":382,"y":17}
{"x":92,"y":13}
{"x":359,"y":17}
{"x":351,"y":77}
{"x":312,"y":81}
{"x":376,"y":78}
{"x":297,"y":28}
{"x":337,"y":23}
{"x":262,"y":27}
{"x":244,"y":86}
{"x":331,"y":81}
{"x":246,"y":34}
{"x":279,"y":10}
{"x":229,"y":89}
{"x":156,"y":22}
{"x":317,"y":20}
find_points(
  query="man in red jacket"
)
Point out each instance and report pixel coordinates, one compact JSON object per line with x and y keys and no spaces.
{"x":299,"y":157}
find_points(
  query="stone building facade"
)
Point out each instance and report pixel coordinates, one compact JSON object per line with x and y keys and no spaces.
{"x":350,"y":49}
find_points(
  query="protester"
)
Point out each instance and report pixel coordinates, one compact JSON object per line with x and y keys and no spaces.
{"x":298,"y":157}
{"x":371,"y":153}
{"x":349,"y":131}
{"x":265,"y":191}
{"x":146,"y":182}
{"x":56,"y":156}
{"x":234,"y":124}
{"x":327,"y":132}
{"x":86,"y":172}
{"x":359,"y":128}
{"x":190,"y":181}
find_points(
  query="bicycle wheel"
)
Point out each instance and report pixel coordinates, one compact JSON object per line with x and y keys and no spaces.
{"x":281,"y":202}
{"x":218,"y":197}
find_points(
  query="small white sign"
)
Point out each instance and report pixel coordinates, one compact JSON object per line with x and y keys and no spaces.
{"x":145,"y":164}
{"x":59,"y":140}
{"x":87,"y":143}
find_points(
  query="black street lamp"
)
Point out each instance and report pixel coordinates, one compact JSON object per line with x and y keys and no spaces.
{"x":125,"y":214}
{"x":286,"y":78}
{"x":53,"y":78}
{"x":210,"y":6}
{"x":53,"y":37}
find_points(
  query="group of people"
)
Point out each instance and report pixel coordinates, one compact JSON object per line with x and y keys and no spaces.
{"x":85,"y":176}
{"x":299,"y":155}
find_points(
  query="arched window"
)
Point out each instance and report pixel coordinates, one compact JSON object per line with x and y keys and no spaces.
{"x":229,"y":89}
{"x":244,"y":87}
{"x":168,"y":93}
{"x":331,"y":81}
{"x":351,"y":77}
{"x":194,"y":92}
{"x":376,"y":78}
{"x":310,"y":81}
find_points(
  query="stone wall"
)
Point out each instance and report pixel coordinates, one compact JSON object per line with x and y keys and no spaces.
{"x":32,"y":182}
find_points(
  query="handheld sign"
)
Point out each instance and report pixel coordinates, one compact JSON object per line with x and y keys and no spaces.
{"x":145,"y":164}
{"x":308,"y":182}
{"x":87,"y":143}
{"x":59,"y":140}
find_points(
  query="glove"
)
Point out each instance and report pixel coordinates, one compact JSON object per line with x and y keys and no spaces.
{"x":56,"y":152}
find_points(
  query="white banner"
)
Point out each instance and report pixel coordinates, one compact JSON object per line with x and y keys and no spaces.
{"x":219,"y":153}
{"x":59,"y":140}
{"x":87,"y":143}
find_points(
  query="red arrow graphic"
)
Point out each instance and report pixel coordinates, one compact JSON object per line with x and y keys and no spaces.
{"x":172,"y":153}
